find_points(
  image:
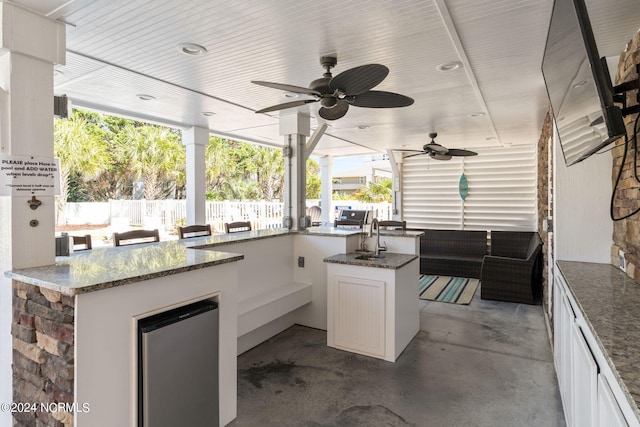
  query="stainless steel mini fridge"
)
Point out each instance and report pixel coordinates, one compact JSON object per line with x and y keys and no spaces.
{"x":178,"y":367}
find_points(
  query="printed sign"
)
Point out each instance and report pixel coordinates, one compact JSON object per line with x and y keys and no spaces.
{"x":29,"y":176}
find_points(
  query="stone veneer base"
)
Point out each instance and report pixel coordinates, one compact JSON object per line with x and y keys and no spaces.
{"x":43,"y":356}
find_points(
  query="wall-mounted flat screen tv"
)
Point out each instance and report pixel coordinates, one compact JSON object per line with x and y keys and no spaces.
{"x":578,"y":84}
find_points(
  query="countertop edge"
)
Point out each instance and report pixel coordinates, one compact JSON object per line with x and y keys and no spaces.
{"x":72,"y":291}
{"x":635,"y":406}
{"x":393,"y":261}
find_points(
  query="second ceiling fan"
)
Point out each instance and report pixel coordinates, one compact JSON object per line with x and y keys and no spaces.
{"x":336,"y":94}
{"x":439,"y":152}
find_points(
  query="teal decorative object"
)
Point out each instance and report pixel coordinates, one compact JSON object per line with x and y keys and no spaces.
{"x":463,"y":187}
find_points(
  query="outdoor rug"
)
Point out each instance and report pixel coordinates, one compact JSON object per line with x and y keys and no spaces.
{"x":458,"y":290}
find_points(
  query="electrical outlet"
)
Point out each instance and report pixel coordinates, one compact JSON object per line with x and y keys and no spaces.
{"x":622,"y":262}
{"x":301,"y":261}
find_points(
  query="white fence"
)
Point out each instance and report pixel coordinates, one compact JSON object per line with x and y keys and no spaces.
{"x":167,"y":213}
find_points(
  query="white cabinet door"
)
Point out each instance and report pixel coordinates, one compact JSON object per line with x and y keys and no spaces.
{"x":557,"y":330}
{"x":359,"y":314}
{"x":609,"y":413}
{"x":584,"y":380}
{"x":566,"y":321}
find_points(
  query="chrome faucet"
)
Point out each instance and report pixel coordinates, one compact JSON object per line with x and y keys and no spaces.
{"x":378,"y":248}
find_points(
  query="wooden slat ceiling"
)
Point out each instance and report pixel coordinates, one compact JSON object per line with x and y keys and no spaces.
{"x":118,"y":49}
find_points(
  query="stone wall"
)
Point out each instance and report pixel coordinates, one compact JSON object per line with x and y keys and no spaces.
{"x":626,"y":233}
{"x":43,"y":356}
{"x":543,"y":198}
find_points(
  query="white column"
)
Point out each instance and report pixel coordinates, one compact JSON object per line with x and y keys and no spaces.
{"x":196,"y":140}
{"x":395,"y":160}
{"x":295,"y":127}
{"x":326,"y":170}
{"x":29,"y":46}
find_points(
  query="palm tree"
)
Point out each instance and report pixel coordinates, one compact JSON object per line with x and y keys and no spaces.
{"x":81,"y":151}
{"x":375,"y":192}
{"x":314,"y":183}
{"x":219,"y":164}
{"x":154,"y":154}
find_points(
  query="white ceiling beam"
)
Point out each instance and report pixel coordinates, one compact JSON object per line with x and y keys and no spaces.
{"x":455,"y":39}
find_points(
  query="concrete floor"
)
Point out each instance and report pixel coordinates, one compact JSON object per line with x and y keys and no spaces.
{"x":485,"y":364}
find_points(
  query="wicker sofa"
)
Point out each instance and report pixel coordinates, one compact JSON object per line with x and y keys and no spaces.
{"x":452,"y":252}
{"x":513,"y":271}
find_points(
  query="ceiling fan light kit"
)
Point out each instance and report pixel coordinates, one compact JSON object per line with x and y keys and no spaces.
{"x":337,"y":94}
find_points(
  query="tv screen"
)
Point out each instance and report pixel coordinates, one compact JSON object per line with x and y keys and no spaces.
{"x":578,"y":84}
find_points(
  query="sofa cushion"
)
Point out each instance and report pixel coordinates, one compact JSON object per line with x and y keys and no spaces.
{"x":512,"y":244}
{"x":454,"y":242}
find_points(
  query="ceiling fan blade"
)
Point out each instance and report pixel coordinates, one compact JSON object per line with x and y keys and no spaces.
{"x":459,"y":152}
{"x":359,"y":79}
{"x":381,"y":99}
{"x":409,"y":151}
{"x":440,"y":156}
{"x":413,"y":155}
{"x":286,"y":105}
{"x":336,"y":112}
{"x":288,"y":88}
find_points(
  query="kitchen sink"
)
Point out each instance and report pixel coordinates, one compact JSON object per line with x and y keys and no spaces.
{"x":369,"y":257}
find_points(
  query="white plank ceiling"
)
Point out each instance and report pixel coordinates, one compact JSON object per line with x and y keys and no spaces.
{"x":118,"y":49}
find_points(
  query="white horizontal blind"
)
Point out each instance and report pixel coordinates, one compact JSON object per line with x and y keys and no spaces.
{"x":502,"y":191}
{"x":430,"y":193}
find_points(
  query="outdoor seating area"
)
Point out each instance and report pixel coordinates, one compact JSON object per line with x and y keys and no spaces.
{"x":508,"y":263}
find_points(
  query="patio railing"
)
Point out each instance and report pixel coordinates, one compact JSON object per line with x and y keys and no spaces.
{"x":165,"y":214}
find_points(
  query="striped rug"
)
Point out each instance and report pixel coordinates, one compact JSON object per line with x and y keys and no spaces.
{"x":457,"y":290}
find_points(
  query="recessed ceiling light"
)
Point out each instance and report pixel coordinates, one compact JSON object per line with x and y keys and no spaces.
{"x":290,"y":95}
{"x":208,"y":113}
{"x":144,"y":97}
{"x":449,"y":66}
{"x":490,"y":138}
{"x":363,"y":127}
{"x":192,"y":49}
{"x":476,"y":114}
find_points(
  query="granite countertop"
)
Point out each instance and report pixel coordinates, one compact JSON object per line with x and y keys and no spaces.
{"x":610,"y":302}
{"x":243,"y":236}
{"x":387,"y":260}
{"x":332,"y":231}
{"x":104,"y":268}
{"x":89,"y":271}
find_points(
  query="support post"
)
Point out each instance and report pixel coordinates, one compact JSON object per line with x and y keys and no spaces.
{"x":295,"y":127}
{"x":326,"y":168}
{"x":196,"y":140}
{"x":30,"y":45}
{"x":396,"y":178}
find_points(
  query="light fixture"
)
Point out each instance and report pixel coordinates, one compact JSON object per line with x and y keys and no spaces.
{"x":449,"y":66}
{"x":290,"y":95}
{"x":476,"y":114}
{"x":192,"y":49}
{"x":363,"y":127}
{"x":144,"y":97}
{"x":208,"y":113}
